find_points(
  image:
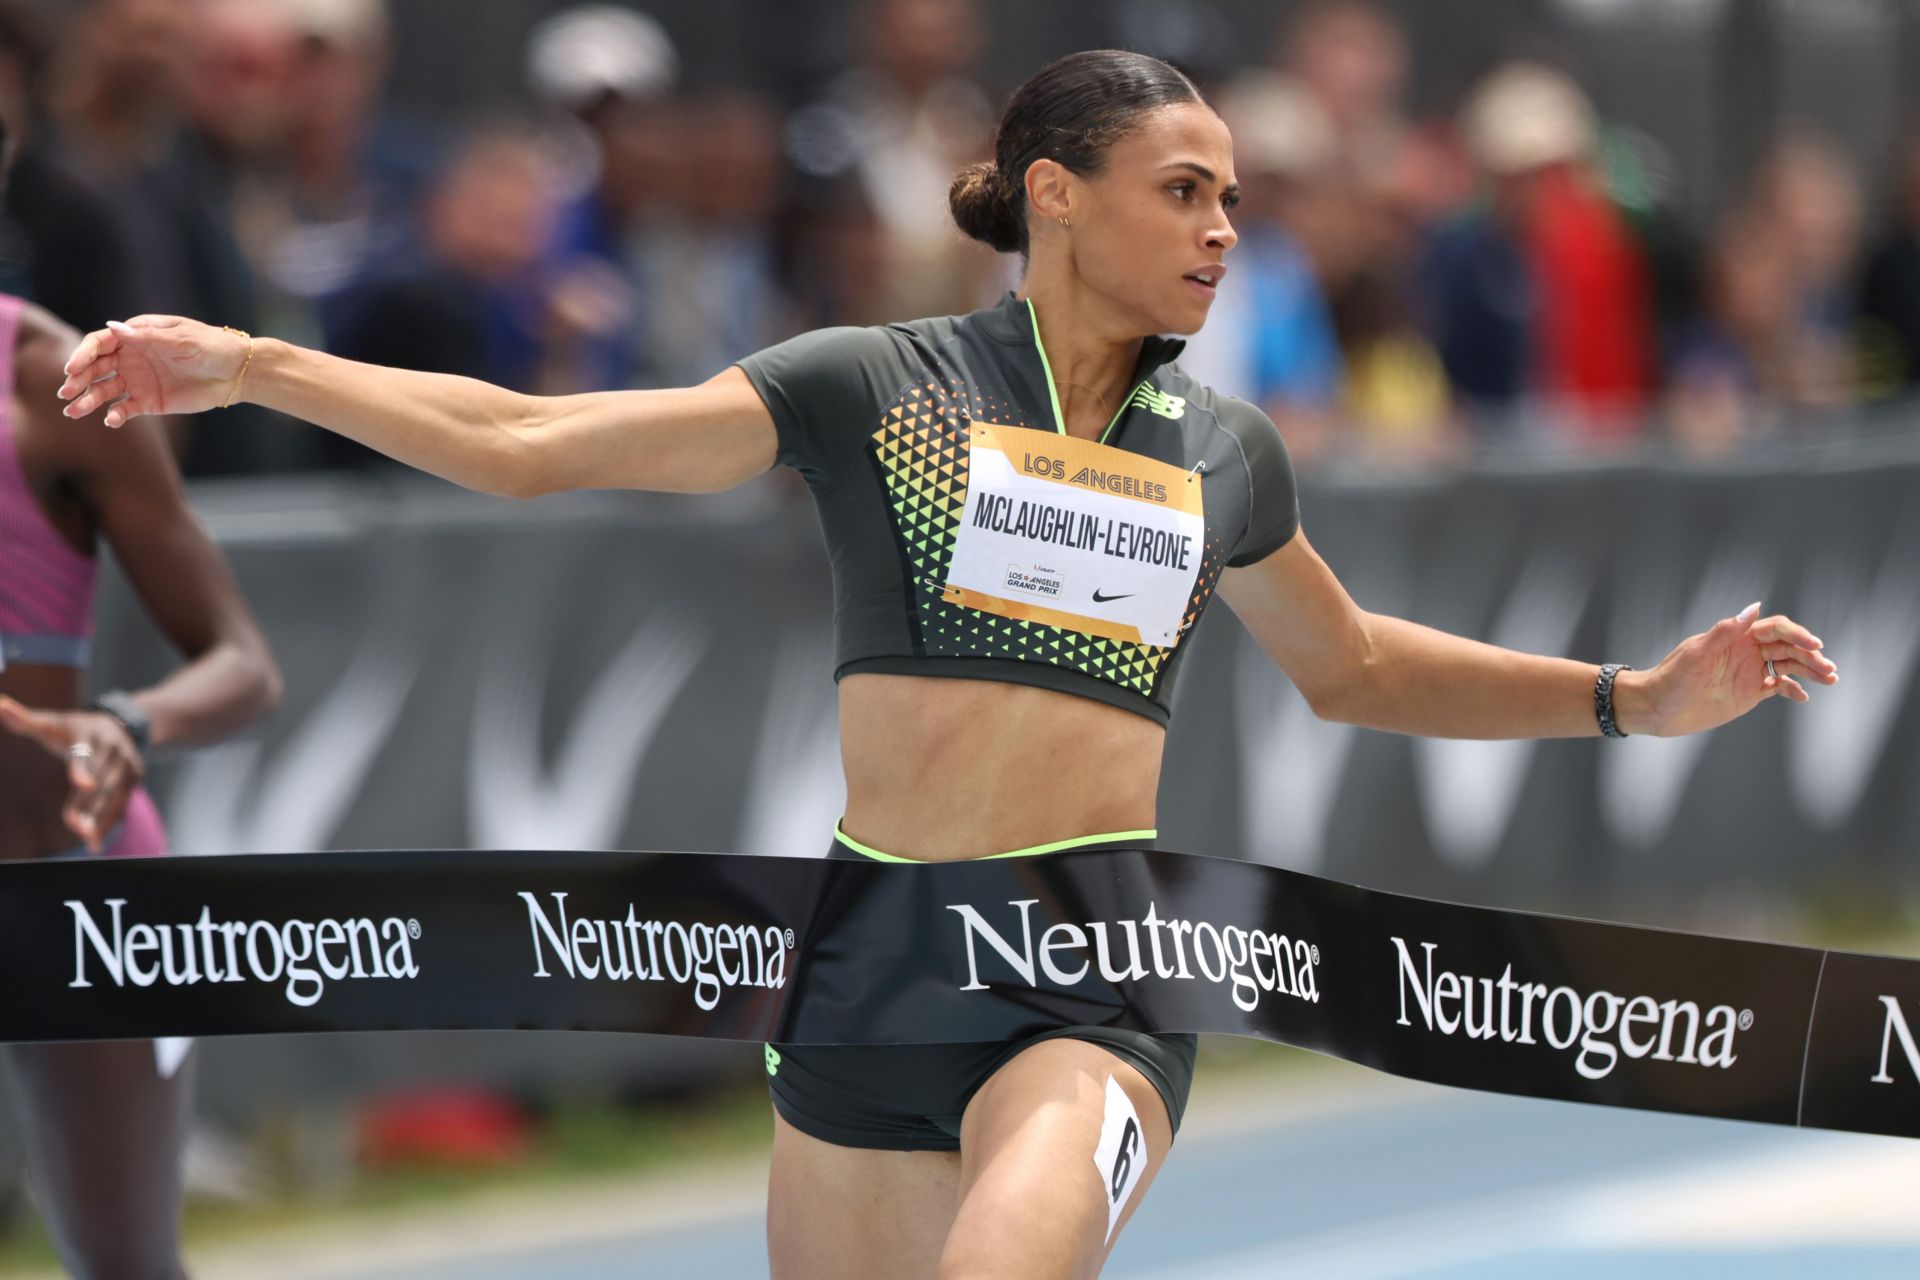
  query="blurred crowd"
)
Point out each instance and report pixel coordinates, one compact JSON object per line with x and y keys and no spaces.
{"x":1513,"y":271}
{"x":1517,"y":272}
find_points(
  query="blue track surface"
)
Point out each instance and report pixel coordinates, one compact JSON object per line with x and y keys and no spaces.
{"x":1429,"y":1183}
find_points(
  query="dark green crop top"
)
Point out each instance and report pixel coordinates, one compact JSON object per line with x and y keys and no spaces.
{"x":1032,"y":582}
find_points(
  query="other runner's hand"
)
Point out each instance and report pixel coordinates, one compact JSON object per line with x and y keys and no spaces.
{"x":152,"y":364}
{"x":103,"y":765}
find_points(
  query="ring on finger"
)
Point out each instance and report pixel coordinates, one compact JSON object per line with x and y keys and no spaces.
{"x":80,"y":751}
{"x":1771,"y":673}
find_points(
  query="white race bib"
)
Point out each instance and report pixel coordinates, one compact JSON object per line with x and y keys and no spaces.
{"x":1121,"y":1156}
{"x":1078,"y":535}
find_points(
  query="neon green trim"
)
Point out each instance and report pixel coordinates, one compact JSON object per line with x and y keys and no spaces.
{"x":1058,"y":846}
{"x":859,"y":848}
{"x":1059,"y":419}
{"x":1117,"y":412}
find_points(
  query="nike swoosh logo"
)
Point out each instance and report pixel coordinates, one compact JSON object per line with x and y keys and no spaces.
{"x":1100,"y":599}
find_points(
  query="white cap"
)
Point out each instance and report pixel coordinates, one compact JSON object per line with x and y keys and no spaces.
{"x":1278,"y":125}
{"x":575,"y":57}
{"x":345,"y":23}
{"x":1526,"y":116}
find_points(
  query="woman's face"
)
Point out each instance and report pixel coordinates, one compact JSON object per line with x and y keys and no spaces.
{"x":1150,"y":231}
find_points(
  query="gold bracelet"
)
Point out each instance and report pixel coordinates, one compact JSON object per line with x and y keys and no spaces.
{"x":242,"y":375}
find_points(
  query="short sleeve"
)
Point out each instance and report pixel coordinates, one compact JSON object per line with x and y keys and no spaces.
{"x":1273,"y":514}
{"x":825,"y":390}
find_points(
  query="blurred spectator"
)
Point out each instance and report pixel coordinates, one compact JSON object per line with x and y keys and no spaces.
{"x":238,"y":98}
{"x":60,"y":243}
{"x":1541,"y":297}
{"x":1362,"y":217}
{"x":119,"y":80}
{"x":471,"y":298}
{"x":1397,"y":403}
{"x":1350,"y":59}
{"x":163,"y":104}
{"x":1777,"y":334}
{"x":1372,"y":385}
{"x":665,"y":267}
{"x":1351,"y":56}
{"x":1268,"y":338}
{"x":335,"y":199}
{"x":114,"y":100}
{"x":1433,"y":175}
{"x":1805,"y":213}
{"x":1890,"y":290}
{"x":714,"y":297}
{"x":613,"y":71}
{"x":225,"y":112}
{"x":832,"y":255}
{"x":1397,"y":391}
{"x":1807,"y":192}
{"x":1724,"y":364}
{"x":904,"y":121}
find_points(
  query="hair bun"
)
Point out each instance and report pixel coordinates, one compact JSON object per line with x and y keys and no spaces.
{"x":985,"y":208}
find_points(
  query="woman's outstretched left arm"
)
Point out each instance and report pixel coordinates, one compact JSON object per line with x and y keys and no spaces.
{"x":1387,"y":673}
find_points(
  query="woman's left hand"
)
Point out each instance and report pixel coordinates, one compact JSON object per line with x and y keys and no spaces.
{"x":103,"y":765}
{"x":1721,"y":674}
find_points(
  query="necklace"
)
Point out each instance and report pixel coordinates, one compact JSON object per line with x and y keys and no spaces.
{"x":1084,"y":387}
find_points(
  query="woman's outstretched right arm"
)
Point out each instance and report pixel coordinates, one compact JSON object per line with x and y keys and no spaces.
{"x":691,"y":440}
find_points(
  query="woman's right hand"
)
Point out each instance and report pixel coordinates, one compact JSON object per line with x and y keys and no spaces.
{"x":153,"y":364}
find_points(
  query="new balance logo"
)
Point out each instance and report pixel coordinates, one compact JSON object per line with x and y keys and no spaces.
{"x":1156,"y":401}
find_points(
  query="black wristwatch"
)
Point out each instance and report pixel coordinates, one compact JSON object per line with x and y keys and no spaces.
{"x":120,"y":705}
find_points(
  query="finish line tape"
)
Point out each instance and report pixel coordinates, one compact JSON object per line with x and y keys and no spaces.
{"x":817,"y":951}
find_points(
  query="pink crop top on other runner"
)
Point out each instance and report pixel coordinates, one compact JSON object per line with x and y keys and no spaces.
{"x":46,"y":587}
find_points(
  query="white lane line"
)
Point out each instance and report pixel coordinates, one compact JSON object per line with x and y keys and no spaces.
{"x":1838,"y":1190}
{"x":1803,"y":1190}
{"x":1388,"y":1248}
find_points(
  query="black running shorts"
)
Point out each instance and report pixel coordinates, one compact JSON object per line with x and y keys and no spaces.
{"x":910,"y":1097}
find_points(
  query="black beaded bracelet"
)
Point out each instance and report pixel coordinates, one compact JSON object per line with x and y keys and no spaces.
{"x":1603,"y":699}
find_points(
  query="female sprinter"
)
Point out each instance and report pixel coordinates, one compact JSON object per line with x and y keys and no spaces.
{"x":960,"y":467}
{"x":104,"y":1121}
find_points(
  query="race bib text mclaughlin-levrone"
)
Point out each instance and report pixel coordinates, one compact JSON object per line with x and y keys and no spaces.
{"x":1075,"y":534}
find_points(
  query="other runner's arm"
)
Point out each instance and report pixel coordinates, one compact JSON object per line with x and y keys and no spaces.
{"x":228,"y":677}
{"x":485,"y":437}
{"x":1388,"y":673}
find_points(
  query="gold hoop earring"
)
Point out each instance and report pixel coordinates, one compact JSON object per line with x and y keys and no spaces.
{"x":1064,"y":222}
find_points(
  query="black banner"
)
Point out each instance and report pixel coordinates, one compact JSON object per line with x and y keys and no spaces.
{"x":816,"y":951}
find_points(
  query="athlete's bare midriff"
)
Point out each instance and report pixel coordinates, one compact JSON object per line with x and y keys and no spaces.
{"x":941,"y":769}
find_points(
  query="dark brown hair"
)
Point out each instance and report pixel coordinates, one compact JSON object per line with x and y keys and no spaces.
{"x":1071,"y":111}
